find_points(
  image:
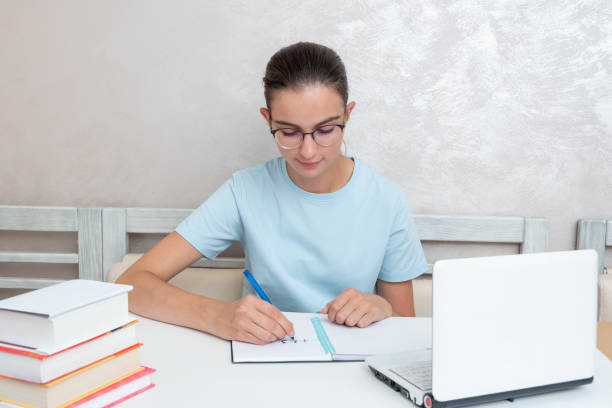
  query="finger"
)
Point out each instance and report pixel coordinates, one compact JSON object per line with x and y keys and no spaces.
{"x":367,"y":320}
{"x":262,"y":335}
{"x":278,"y":317}
{"x":357,"y":314}
{"x":347,"y":309}
{"x":252,"y":314}
{"x":269,"y":324}
{"x":335,"y":305}
{"x":325,"y":309}
{"x":247,"y":337}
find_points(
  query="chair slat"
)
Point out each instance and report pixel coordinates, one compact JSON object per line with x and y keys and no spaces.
{"x":90,"y":243}
{"x":115,"y":240}
{"x":536,"y":236}
{"x":27,"y":283}
{"x":591,"y":234}
{"x":14,"y":218}
{"x":154,"y":220}
{"x":39,"y":257}
{"x":470,"y":229}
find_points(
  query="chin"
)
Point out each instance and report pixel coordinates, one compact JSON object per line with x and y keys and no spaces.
{"x":309,"y":173}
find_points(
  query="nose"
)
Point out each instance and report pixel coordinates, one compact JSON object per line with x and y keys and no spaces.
{"x":308,"y":147}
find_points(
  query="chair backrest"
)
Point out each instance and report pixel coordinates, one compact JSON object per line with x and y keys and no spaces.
{"x":595,"y":234}
{"x":86,"y":222}
{"x":530,"y":233}
{"x":103,"y":235}
{"x":118,"y":223}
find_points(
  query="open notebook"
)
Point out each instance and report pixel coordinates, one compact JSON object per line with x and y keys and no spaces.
{"x":317,"y":339}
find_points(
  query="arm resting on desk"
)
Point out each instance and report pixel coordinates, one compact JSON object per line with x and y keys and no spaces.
{"x":153,"y":297}
{"x":247,"y":319}
{"x":400,"y":295}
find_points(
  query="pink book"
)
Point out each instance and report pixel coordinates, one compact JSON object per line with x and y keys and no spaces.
{"x":121,"y":390}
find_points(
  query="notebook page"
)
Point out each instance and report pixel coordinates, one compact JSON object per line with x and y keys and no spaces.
{"x":305,"y":347}
{"x":390,"y":335}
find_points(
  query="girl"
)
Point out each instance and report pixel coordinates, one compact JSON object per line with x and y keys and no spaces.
{"x":321,"y":231}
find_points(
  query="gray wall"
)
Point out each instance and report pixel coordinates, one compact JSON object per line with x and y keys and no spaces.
{"x":475,"y":108}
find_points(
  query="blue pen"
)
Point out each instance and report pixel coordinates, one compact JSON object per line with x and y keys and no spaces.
{"x":258,"y":288}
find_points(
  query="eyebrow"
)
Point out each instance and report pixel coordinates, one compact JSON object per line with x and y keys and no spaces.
{"x":282,"y":122}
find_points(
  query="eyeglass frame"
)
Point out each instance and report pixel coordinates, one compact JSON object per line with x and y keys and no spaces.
{"x":273,"y":131}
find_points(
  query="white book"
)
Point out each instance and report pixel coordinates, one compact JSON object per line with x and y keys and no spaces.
{"x":62,"y":315}
{"x":318,"y":339}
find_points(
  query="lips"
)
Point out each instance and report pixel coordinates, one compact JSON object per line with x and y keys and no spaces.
{"x":309,"y":165}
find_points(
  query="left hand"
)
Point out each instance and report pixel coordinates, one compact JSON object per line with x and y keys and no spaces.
{"x":355,"y":308}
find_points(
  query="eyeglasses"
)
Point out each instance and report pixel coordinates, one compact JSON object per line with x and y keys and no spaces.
{"x":291,"y":138}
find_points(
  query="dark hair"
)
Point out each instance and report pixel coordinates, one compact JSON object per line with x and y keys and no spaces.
{"x":305,"y":63}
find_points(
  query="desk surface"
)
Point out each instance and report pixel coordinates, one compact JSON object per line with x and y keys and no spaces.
{"x":195,"y":369}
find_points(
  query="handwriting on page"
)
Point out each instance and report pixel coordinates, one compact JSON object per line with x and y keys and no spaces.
{"x":293,"y":341}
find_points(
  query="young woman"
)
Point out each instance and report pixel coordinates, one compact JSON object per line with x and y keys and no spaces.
{"x":321,"y":231}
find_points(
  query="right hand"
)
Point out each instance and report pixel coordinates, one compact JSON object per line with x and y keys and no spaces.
{"x":252,"y":320}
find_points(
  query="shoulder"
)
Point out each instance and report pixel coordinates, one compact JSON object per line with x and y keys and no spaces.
{"x":256,"y":177}
{"x":381,"y":186}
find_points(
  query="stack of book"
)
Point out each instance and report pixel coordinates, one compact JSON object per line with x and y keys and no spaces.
{"x":70,"y":345}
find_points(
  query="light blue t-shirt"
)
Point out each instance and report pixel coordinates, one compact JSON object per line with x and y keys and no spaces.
{"x":304,"y":248}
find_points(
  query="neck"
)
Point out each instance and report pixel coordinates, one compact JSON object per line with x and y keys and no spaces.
{"x":334,"y":178}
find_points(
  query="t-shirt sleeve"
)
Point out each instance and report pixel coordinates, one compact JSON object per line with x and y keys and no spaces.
{"x":404,"y":258}
{"x":215,"y":225}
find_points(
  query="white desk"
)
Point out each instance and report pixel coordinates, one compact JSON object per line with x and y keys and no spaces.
{"x":194,"y":369}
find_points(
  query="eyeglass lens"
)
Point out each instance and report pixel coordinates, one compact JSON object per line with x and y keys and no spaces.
{"x":323,"y":136}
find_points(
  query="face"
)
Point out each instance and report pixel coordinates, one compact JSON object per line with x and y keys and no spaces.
{"x":306,"y":109}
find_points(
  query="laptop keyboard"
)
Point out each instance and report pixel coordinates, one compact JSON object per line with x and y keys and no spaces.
{"x":417,"y":373}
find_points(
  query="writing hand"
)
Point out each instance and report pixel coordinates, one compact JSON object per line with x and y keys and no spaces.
{"x":251,"y":320}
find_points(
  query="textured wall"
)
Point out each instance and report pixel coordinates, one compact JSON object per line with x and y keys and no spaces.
{"x":489,"y":108}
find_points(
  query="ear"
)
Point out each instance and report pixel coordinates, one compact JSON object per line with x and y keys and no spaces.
{"x":266,"y":114}
{"x":349,"y":109}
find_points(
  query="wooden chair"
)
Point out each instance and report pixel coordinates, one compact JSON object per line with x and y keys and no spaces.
{"x":220,"y":278}
{"x":118,"y":223}
{"x":595,"y":234}
{"x":86,"y":222}
{"x":225,"y":273}
{"x":530,"y":233}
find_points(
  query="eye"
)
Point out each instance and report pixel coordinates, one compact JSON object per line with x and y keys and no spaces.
{"x":326,"y":129}
{"x":290,"y":132}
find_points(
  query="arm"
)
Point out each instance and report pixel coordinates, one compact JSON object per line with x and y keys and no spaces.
{"x":399,"y":295}
{"x":248,"y":319}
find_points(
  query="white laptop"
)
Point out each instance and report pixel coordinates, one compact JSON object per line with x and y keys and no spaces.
{"x":503,"y":327}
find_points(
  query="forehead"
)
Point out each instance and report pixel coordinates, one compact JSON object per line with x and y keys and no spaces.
{"x":306,"y":105}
